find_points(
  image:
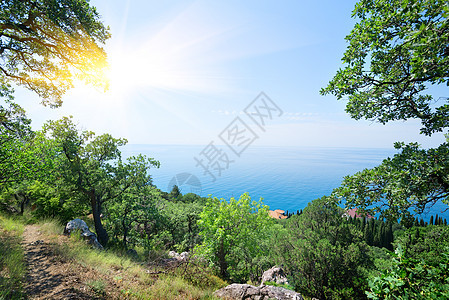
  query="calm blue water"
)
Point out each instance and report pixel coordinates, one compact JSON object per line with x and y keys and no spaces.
{"x":286,"y":178}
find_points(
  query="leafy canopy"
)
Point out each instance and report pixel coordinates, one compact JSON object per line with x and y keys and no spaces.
{"x":92,"y":166}
{"x":232,"y":233}
{"x":46,"y":44}
{"x":414,"y":179}
{"x":412,"y":279}
{"x":396,"y":50}
{"x":23,"y":154}
{"x":323,"y":252}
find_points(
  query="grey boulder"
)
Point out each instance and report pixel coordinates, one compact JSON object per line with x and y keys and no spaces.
{"x":86,"y":234}
{"x":275,"y":274}
{"x":237,"y":291}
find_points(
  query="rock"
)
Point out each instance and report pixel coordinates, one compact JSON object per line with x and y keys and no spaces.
{"x":237,"y":291}
{"x":184,"y":255}
{"x":275,"y":274}
{"x":180,"y":257}
{"x":86,"y":234}
{"x":76,"y":224}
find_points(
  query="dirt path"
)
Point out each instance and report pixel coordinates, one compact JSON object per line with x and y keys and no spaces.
{"x":49,"y":276}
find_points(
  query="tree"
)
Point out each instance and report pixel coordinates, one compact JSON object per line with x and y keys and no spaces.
{"x":182,"y":222}
{"x":323,"y":252}
{"x":15,"y":132}
{"x":413,"y":179}
{"x":410,"y":278}
{"x":175,"y":193}
{"x":24,"y":154}
{"x":55,"y":200}
{"x":92,"y":165}
{"x":46,"y":44}
{"x":396,"y":51}
{"x":426,"y":245}
{"x":231,"y":233}
{"x":128,"y":212}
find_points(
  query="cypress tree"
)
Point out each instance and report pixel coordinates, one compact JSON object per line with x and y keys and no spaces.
{"x":377,"y":239}
{"x":389,"y":237}
{"x":417,"y":235}
{"x":381,"y":232}
{"x":431,"y":220}
{"x":421,"y":223}
{"x":368,"y":235}
{"x":416,"y":224}
{"x":436,"y":219}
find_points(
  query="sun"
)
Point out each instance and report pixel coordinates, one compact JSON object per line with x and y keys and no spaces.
{"x":150,"y":65}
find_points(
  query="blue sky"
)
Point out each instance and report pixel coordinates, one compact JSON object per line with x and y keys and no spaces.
{"x":182,"y":71}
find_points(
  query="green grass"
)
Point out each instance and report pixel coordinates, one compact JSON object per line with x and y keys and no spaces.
{"x":12,"y":263}
{"x":98,"y":286}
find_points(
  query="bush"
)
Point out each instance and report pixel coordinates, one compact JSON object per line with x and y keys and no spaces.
{"x":324,"y":253}
{"x":412,"y":279}
{"x":232,"y":233}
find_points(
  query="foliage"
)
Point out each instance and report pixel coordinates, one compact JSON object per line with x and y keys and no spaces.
{"x":12,"y":262}
{"x":50,"y":202}
{"x":232,"y":233}
{"x":376,"y":232}
{"x":182,"y":221}
{"x":412,"y":279}
{"x":14,"y":198}
{"x":424,"y":243}
{"x":133,"y":216}
{"x":98,"y":286}
{"x":282,"y":285}
{"x":175,"y":193}
{"x":382,"y":261}
{"x":45,"y":45}
{"x":323,"y":252}
{"x":23,"y":153}
{"x":92,"y":167}
{"x":196,"y":273}
{"x":396,"y":50}
{"x":415,"y":178}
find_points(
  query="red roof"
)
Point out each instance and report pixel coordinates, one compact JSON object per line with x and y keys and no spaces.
{"x":277,"y":214}
{"x":354,"y":214}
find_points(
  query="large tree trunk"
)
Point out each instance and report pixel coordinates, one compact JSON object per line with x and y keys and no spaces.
{"x":102,"y":235}
{"x":222,"y":261}
{"x":125,"y":234}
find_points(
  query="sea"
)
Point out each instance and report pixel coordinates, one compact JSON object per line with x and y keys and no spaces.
{"x":286,"y":178}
